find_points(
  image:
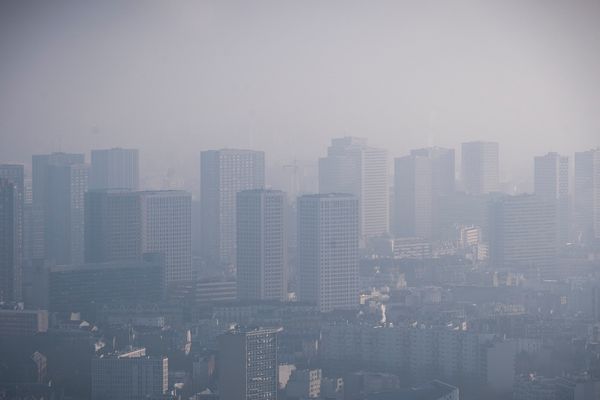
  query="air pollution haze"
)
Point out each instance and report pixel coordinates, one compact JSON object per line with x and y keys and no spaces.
{"x":299,"y":200}
{"x":174,"y":78}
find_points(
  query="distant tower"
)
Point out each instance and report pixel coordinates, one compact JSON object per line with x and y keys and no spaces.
{"x":443,"y":182}
{"x":353,"y":167}
{"x":522,"y":232}
{"x":167,"y":229}
{"x":480,"y":167}
{"x":115,"y":169}
{"x":113,"y":226}
{"x":60,"y":181}
{"x":587,"y":193}
{"x":413,"y":196}
{"x":12,"y":224}
{"x":10,"y":242}
{"x":248,"y":364}
{"x":328,"y":251}
{"x":551,"y":183}
{"x":261,"y":272}
{"x":442,"y":169}
{"x":124,"y":225}
{"x":224,"y":173}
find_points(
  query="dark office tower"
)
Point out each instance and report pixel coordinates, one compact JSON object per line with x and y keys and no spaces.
{"x":13,"y":174}
{"x":10,"y":242}
{"x":522,"y":232}
{"x":248,"y":364}
{"x":123,"y":225}
{"x":328,"y":251}
{"x":261,"y":272}
{"x":413,"y":196}
{"x":224,"y":173}
{"x":65,"y":213}
{"x":59,"y":183}
{"x":480,"y":167}
{"x":551,"y":183}
{"x":113,"y":226}
{"x":355,"y":168}
{"x":587,"y":194}
{"x":115,"y":169}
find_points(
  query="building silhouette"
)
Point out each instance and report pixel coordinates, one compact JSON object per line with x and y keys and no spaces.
{"x":351,"y":166}
{"x":480,"y":170}
{"x":328,"y":251}
{"x":261,"y":245}
{"x":224,"y":173}
{"x":115,"y":169}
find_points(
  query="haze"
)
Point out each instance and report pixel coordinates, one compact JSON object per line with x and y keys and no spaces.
{"x":175,"y":78}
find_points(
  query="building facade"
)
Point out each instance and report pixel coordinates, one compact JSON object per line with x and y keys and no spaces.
{"x":249,"y":364}
{"x":480,"y":169}
{"x":129,"y":375}
{"x":76,"y":288}
{"x":115,"y":169}
{"x":224,"y":173}
{"x":587,"y":194}
{"x":551,"y":183}
{"x":413,"y":196}
{"x":11,"y":237}
{"x":328,"y":251}
{"x":522,"y":232}
{"x":60,"y":181}
{"x":123,"y":225}
{"x":261,"y":245}
{"x":353,"y":167}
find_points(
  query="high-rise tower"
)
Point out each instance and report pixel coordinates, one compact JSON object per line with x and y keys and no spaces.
{"x":352,"y":167}
{"x":224,"y":173}
{"x":328,"y":250}
{"x":480,"y":167}
{"x":261,"y":272}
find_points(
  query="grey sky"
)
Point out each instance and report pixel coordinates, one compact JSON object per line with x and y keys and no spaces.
{"x":174,"y":78}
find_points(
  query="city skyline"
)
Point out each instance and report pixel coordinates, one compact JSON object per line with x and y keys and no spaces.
{"x":299,"y":200}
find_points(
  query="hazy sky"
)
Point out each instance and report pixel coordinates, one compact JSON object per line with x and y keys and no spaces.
{"x":176,"y":77}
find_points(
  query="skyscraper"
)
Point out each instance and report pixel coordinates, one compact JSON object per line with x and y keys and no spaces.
{"x":551,"y":183}
{"x":113,"y":226}
{"x":224,"y":173}
{"x":480,"y":167}
{"x":59,"y":183}
{"x":413,"y":198}
{"x":261,"y":272}
{"x":443,"y":169}
{"x":14,"y":173}
{"x":167,"y":229}
{"x":328,"y":250}
{"x":123,"y":225}
{"x":10,"y":242}
{"x":65,"y":213}
{"x":443,"y":183}
{"x":12,"y":225}
{"x":587,"y":193}
{"x":522,"y":232}
{"x":115,"y":169}
{"x":248,"y":361}
{"x":355,"y":168}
